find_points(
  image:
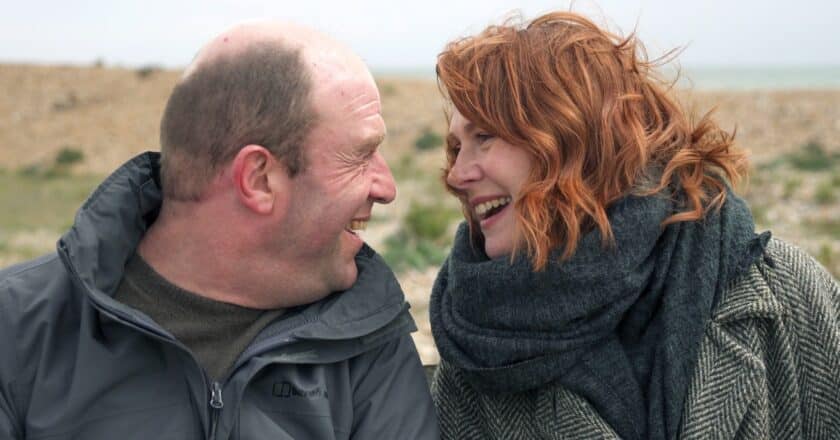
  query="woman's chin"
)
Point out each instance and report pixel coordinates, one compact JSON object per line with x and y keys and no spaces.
{"x":495,"y":250}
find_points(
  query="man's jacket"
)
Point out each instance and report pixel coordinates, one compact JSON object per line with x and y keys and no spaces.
{"x":76,"y":364}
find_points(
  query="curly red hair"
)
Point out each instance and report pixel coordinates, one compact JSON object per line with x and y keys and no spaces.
{"x":588,"y":106}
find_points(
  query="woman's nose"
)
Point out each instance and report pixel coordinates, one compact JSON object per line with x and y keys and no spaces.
{"x":462,"y":173}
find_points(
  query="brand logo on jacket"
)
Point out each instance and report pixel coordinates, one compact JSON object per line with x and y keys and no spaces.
{"x":287,"y":389}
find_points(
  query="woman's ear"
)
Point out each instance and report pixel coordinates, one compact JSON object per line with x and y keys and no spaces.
{"x":255,"y":175}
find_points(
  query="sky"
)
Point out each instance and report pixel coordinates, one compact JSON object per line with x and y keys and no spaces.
{"x":401,"y":35}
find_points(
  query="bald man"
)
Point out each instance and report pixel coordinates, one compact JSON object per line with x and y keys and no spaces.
{"x":219,"y":290}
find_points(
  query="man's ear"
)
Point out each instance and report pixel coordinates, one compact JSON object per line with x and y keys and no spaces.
{"x":255,"y":177}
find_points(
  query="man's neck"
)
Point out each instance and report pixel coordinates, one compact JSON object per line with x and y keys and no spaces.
{"x":223,"y":263}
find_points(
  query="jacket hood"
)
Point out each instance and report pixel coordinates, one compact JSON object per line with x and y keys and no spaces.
{"x":109,"y":225}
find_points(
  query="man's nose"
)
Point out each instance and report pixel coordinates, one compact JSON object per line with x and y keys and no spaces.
{"x":384,"y":189}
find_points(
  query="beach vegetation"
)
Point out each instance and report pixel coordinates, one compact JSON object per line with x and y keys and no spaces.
{"x":37,"y":203}
{"x":825,"y":193}
{"x":144,"y":72}
{"x":829,"y":259}
{"x":829,"y":227}
{"x":813,"y":157}
{"x":68,"y":155}
{"x":403,"y":168}
{"x":759,"y":213}
{"x":67,"y":102}
{"x":423,"y":239}
{"x":428,"y":139}
{"x":790,"y":186}
{"x":386,"y":88}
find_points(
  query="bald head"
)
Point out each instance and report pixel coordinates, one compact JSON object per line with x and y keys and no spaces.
{"x":322,"y":54}
{"x":259,"y":82}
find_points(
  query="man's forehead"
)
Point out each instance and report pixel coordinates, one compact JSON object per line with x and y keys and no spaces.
{"x":347,"y":97}
{"x":246,"y":33}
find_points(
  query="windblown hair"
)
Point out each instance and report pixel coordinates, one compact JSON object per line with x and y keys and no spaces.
{"x":589,"y":108}
{"x":260,"y":95}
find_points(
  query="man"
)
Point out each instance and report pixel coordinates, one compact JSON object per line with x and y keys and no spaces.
{"x":237,"y":301}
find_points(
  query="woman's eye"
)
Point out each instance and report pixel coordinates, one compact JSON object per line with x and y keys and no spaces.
{"x":483,"y":137}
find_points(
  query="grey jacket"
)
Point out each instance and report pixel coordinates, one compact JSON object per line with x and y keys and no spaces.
{"x":76,"y":364}
{"x":768,"y":368}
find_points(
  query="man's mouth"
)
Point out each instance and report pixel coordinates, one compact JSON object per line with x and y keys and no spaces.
{"x":490,"y":208}
{"x":356,"y":225}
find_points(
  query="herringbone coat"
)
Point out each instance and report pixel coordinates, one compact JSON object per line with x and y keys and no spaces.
{"x":768,"y":368}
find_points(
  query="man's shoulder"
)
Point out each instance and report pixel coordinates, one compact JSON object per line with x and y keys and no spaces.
{"x":30,"y":277}
{"x":34,"y":290}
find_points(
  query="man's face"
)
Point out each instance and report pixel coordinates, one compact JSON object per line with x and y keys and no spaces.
{"x":345,"y":175}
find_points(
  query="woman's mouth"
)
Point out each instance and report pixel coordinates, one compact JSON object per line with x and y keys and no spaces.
{"x":489,"y":208}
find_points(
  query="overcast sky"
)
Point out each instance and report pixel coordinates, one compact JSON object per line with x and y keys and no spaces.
{"x":395,"y":34}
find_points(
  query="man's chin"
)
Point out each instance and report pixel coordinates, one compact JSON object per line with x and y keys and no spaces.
{"x":346,"y":279}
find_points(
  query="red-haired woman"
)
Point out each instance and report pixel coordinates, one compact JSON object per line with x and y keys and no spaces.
{"x":608,"y":282}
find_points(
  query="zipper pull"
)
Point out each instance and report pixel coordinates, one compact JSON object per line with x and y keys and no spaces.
{"x":216,"y":396}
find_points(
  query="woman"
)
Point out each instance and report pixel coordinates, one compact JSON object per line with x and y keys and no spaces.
{"x":607,"y":282}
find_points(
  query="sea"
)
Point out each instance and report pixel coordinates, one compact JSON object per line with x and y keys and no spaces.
{"x":714,"y":77}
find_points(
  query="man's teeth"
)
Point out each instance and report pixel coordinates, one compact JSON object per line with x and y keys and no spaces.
{"x":358,"y":225}
{"x":482,"y":208}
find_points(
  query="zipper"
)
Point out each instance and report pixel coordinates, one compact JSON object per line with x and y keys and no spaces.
{"x":216,"y":402}
{"x":216,"y":405}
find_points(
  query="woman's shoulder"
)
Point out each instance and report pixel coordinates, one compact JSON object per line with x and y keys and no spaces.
{"x":799,"y":281}
{"x":785,"y":281}
{"x":791,"y":267}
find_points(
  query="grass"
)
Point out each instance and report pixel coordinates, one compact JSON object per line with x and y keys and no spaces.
{"x":404,"y":168}
{"x":428,"y":139}
{"x":825,"y":256}
{"x":790,"y":186}
{"x":835,"y":179}
{"x":813,"y":157}
{"x":824,"y":227}
{"x":423,"y":239}
{"x":825,"y":193}
{"x":68,"y":156}
{"x":759,"y":213}
{"x":34,"y":203}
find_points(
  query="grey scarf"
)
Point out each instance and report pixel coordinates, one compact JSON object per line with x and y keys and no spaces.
{"x":619,"y":326}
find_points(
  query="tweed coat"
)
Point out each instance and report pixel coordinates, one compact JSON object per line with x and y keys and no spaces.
{"x":768,"y":368}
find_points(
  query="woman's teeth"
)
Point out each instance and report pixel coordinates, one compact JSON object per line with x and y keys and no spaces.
{"x":485,"y":207}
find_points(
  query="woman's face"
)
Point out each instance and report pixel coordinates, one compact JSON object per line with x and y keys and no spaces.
{"x":489,"y":173}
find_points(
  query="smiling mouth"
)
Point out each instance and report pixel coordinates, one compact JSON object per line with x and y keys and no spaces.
{"x":490,"y":208}
{"x":356,"y":226}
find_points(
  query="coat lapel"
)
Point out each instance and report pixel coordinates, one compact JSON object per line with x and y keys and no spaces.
{"x":730,"y":376}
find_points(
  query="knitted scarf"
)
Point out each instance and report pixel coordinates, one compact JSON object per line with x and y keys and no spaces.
{"x":619,"y":325}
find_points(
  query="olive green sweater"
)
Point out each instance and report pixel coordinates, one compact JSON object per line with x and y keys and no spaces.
{"x":215,"y":332}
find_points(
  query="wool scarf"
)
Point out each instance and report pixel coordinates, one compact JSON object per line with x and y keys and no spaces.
{"x":619,"y":325}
